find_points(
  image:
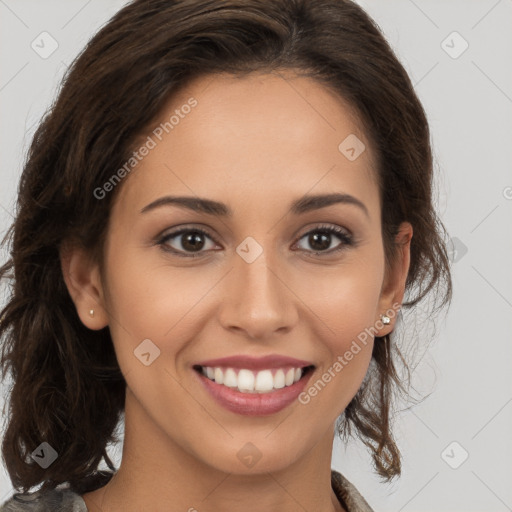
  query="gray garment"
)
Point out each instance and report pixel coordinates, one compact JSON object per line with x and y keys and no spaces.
{"x":59,"y":499}
{"x":63,"y":499}
{"x":346,"y":493}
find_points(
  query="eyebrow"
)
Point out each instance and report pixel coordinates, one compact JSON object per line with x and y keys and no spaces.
{"x":302,"y":205}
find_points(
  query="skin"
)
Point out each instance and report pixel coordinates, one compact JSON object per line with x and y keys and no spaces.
{"x":256,"y":143}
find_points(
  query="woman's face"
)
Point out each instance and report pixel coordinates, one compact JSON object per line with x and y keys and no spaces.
{"x":263,"y":280}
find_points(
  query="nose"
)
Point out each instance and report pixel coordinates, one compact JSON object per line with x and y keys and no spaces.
{"x":257,"y":300}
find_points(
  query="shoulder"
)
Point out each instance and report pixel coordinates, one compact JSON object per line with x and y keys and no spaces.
{"x":347,"y":494}
{"x":60,"y":499}
{"x":63,"y":499}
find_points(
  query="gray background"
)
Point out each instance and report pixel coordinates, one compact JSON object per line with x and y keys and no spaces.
{"x":468,"y":99}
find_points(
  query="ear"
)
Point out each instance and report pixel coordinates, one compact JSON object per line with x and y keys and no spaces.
{"x":393,"y":287}
{"x":83,"y":281}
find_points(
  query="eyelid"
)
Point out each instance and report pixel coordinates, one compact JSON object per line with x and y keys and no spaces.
{"x":343,"y":234}
{"x":327,"y":227}
{"x":170,"y":232}
{"x":163,"y":237}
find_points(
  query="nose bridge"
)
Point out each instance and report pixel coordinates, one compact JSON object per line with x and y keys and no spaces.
{"x":258,"y":302}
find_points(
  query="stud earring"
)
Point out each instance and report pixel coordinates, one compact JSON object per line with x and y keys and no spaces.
{"x":91,"y":312}
{"x":385,"y":319}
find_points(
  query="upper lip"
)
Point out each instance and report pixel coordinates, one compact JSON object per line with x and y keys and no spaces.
{"x":255,"y":363}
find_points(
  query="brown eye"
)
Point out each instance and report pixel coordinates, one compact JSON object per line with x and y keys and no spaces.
{"x":320,"y":240}
{"x":187,"y":240}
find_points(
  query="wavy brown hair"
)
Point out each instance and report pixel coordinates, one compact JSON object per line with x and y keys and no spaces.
{"x":67,"y":387}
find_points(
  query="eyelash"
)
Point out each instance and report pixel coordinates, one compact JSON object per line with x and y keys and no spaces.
{"x":346,"y":239}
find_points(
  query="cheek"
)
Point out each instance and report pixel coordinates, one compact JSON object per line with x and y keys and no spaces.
{"x":346,"y":343}
{"x":343,"y":309}
{"x":151,"y":300}
{"x":344,"y":298}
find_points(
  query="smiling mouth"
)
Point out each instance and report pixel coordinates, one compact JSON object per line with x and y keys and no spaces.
{"x":251,"y":381}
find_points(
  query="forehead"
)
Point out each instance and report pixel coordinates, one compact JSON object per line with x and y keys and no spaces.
{"x":251,"y":138}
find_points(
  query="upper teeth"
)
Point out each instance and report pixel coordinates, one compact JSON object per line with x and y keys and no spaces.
{"x":255,"y":382}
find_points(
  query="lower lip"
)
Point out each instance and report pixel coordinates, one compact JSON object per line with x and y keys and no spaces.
{"x":254,"y":404}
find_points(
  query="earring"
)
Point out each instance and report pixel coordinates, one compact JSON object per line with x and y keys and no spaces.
{"x":385,"y":319}
{"x":91,"y":312}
